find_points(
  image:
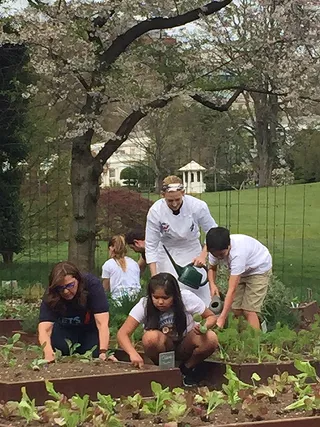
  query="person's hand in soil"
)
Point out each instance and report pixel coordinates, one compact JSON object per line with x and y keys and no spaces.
{"x":103,"y":356}
{"x":49,"y":356}
{"x":137,"y":360}
{"x":112,"y":358}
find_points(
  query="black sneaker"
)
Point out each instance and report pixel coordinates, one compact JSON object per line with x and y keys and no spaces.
{"x":189,"y":377}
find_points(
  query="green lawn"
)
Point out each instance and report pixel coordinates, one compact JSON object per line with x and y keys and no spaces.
{"x":286,"y":219}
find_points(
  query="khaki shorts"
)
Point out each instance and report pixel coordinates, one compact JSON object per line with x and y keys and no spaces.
{"x":251,"y":292}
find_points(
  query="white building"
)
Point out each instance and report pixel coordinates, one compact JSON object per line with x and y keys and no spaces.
{"x":130,"y":152}
{"x":193,"y":177}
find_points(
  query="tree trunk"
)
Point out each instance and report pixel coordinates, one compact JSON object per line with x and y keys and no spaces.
{"x":7,"y":257}
{"x":266,"y":114}
{"x":85,"y":173}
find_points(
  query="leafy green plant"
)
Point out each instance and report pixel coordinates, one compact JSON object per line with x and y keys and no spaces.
{"x":8,"y":409}
{"x":211,"y":399}
{"x":104,"y":410}
{"x":36,"y":364}
{"x":6,"y":350}
{"x":176,"y":411}
{"x":135,"y":404}
{"x":254,"y":408}
{"x":157,"y":405}
{"x":203,"y":328}
{"x":72,"y":347}
{"x":30,"y":321}
{"x":27,"y":408}
{"x":232,"y":388}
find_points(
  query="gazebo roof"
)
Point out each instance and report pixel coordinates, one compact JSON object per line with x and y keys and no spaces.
{"x":192,"y":167}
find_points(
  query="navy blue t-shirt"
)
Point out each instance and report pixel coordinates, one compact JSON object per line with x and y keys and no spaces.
{"x":76,"y":315}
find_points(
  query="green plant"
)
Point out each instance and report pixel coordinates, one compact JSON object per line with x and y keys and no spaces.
{"x":33,"y":293}
{"x":30,"y":321}
{"x":203,"y":328}
{"x":254,"y":408}
{"x":157,"y":405}
{"x":8,"y":409}
{"x":232,"y":388}
{"x":104,"y":410}
{"x":36,"y":364}
{"x":135,"y":404}
{"x":6,"y":350}
{"x":27,"y":408}
{"x":176,"y":411}
{"x":72,"y":347}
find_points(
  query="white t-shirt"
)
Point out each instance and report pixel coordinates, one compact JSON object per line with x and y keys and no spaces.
{"x":122,"y":282}
{"x":247,"y":256}
{"x":192,"y":303}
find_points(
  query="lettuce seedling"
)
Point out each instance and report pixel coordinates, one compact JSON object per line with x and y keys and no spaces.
{"x":27,"y":407}
{"x":233,"y":387}
{"x":135,"y":404}
{"x":198,"y":318}
{"x":162,"y":395}
{"x":254,"y":408}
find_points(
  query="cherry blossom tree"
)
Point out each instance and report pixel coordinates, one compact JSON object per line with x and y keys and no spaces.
{"x":94,"y":56}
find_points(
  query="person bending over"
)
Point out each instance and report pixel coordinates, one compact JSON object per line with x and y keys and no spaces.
{"x":250,"y":266}
{"x":74,"y":307}
{"x":135,"y":239}
{"x":167,"y":315}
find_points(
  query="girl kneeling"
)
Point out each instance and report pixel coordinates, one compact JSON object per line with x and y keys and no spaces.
{"x":167,"y":316}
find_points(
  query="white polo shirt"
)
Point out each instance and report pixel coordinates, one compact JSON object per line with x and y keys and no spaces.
{"x":247,"y":256}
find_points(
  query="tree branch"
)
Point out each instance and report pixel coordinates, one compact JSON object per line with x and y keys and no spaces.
{"x":221,"y":108}
{"x":120,"y":44}
{"x":126,"y":127}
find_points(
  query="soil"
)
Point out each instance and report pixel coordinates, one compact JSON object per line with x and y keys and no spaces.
{"x":64,"y":369}
{"x":221,"y":416}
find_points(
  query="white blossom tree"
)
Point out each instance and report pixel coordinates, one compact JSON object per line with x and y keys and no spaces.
{"x":94,"y":55}
{"x":270,"y":49}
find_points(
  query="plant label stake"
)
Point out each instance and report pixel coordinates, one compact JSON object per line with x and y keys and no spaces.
{"x":167,"y":360}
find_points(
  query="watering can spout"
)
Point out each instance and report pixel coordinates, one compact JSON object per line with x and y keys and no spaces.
{"x":188,"y":275}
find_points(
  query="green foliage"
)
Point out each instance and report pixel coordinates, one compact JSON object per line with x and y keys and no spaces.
{"x":119,"y":311}
{"x":6,"y":350}
{"x":27,"y":407}
{"x":30,"y":321}
{"x":13,"y":147}
{"x":242,"y":343}
{"x":158,"y":404}
{"x":233,"y":387}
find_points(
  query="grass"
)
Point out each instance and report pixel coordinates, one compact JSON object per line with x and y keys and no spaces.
{"x":286,"y":219}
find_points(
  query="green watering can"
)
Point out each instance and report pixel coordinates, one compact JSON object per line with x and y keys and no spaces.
{"x":188,"y":275}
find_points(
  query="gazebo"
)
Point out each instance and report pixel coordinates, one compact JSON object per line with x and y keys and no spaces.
{"x":193,"y":177}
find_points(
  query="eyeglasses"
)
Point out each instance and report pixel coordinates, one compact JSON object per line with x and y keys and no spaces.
{"x":64,"y":287}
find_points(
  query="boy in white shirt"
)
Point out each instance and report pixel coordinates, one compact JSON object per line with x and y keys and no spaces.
{"x":250,"y":266}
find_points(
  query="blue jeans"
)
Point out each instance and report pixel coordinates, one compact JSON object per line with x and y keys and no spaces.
{"x":87,"y":336}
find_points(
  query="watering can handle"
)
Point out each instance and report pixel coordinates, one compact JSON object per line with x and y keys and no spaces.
{"x":206,"y":278}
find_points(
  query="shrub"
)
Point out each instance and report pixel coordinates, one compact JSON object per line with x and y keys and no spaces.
{"x":119,"y":210}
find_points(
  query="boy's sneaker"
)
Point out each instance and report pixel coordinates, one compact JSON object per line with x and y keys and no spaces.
{"x":189,"y":377}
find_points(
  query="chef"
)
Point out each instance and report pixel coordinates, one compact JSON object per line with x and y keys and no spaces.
{"x":174,"y":221}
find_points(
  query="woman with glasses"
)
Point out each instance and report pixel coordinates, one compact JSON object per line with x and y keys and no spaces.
{"x":75,"y":308}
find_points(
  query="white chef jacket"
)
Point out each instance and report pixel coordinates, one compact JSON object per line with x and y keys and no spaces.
{"x":180,"y":235}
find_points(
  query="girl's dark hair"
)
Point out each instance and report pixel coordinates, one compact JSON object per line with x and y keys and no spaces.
{"x":53,"y":298}
{"x":171,"y":288}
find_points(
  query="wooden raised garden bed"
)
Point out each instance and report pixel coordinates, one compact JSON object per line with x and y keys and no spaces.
{"x":83,"y":378}
{"x":8,"y":326}
{"x":213,"y":372}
